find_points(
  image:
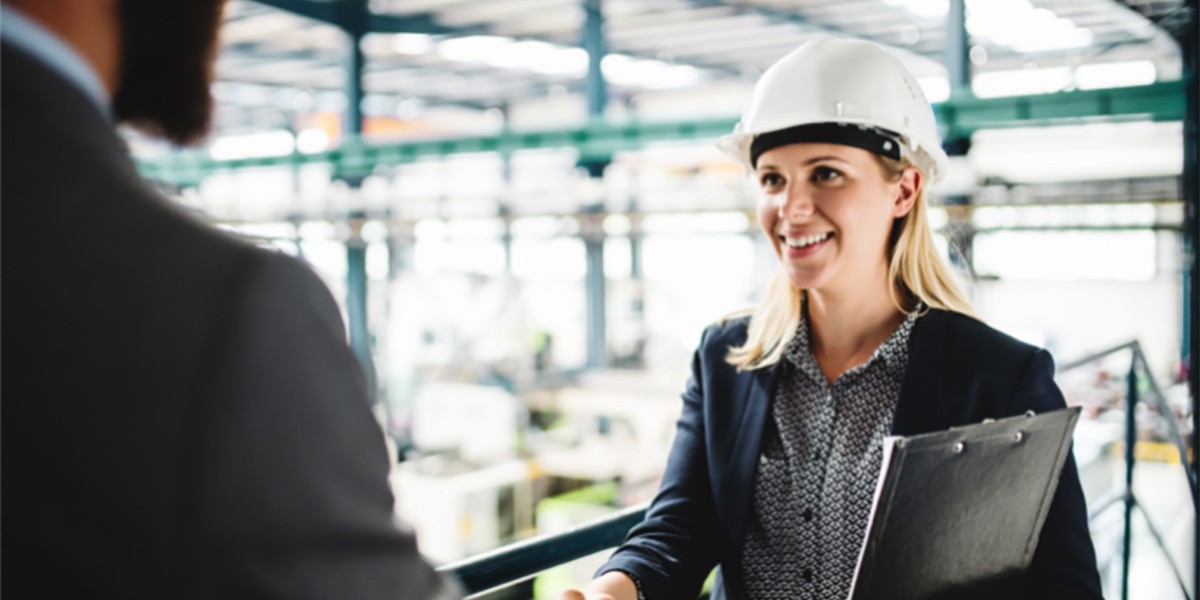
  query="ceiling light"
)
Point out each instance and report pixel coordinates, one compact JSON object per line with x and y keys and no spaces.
{"x":411,"y":43}
{"x":923,"y":8}
{"x":979,"y":55}
{"x":1023,"y":27}
{"x":1021,"y":82}
{"x":563,"y":61}
{"x":473,"y":48}
{"x":253,"y":145}
{"x":312,"y":140}
{"x":623,"y":70}
{"x":521,"y":55}
{"x":1115,"y":74}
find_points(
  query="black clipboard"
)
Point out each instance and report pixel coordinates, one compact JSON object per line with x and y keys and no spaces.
{"x":959,"y":512}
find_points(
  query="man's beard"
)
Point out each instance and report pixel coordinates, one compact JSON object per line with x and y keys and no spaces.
{"x":167,"y":52}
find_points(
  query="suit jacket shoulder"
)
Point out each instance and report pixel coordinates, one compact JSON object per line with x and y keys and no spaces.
{"x":978,"y":346}
{"x":196,"y":392}
{"x":962,"y":371}
{"x":722,"y":335}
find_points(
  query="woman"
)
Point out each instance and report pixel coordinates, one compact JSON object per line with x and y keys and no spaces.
{"x":862,"y":334}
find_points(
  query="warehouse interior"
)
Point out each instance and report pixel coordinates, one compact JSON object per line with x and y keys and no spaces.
{"x":520,"y":209}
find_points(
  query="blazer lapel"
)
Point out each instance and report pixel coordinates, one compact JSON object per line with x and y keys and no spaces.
{"x":737,"y":485}
{"x":917,"y":391}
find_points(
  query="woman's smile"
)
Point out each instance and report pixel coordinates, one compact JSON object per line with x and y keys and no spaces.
{"x":803,"y":246}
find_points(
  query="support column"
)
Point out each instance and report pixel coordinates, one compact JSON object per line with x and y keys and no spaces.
{"x":354,"y":23}
{"x":592,"y":231}
{"x":958,"y":69}
{"x":506,"y":238}
{"x":356,"y":298}
{"x":1131,"y":402}
{"x":596,"y":47}
{"x":638,"y":309}
{"x":401,"y":241}
{"x":958,"y":49}
{"x":1191,"y":241}
{"x":505,"y":211}
{"x":592,"y":225}
{"x":635,"y":242}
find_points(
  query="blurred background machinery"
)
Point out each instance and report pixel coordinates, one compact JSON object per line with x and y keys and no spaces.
{"x":519,"y":207}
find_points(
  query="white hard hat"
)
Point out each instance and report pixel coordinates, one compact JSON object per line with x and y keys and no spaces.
{"x":842,"y":91}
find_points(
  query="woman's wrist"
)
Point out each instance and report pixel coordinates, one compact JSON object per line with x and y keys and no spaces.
{"x":613,"y":584}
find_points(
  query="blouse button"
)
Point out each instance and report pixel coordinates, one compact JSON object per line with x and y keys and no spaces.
{"x":808,"y":514}
{"x":808,"y":575}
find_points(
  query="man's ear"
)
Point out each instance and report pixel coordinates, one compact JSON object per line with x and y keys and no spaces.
{"x":907,"y":191}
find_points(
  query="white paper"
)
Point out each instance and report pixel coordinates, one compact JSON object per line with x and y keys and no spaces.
{"x":889,"y":444}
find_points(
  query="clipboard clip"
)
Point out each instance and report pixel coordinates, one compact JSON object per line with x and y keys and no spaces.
{"x":1028,"y":413}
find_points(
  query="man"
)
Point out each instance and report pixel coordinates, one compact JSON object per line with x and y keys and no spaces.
{"x":182,"y":416}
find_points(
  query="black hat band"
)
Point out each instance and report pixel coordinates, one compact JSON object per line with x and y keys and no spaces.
{"x":871,"y":139}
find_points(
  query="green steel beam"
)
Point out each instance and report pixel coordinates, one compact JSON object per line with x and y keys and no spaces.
{"x":964,"y":115}
{"x":599,"y":140}
{"x":341,"y":12}
{"x":325,"y":12}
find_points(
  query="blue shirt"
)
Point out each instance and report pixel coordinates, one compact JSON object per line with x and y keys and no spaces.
{"x":22,"y":32}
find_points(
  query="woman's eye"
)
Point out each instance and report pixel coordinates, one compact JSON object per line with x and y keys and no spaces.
{"x":770,"y":180}
{"x":826,"y":173}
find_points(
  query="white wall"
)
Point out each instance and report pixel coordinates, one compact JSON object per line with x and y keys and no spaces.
{"x":1075,"y":318}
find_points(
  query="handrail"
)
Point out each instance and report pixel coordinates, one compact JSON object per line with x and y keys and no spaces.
{"x":1165,"y":412}
{"x":1139,"y":363}
{"x":1158,"y":539}
{"x":516,"y":562}
{"x":1093,"y":357}
{"x":1139,"y":370}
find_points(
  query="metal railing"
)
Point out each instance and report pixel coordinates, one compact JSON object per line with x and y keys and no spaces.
{"x":513,"y":564}
{"x":1138,"y":372}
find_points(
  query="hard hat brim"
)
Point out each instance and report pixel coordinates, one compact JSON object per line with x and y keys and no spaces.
{"x":933,"y":161}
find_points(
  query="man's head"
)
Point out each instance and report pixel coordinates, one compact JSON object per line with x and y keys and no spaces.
{"x":155,"y":57}
{"x":167,"y":50}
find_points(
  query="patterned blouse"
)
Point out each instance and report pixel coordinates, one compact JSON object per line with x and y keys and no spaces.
{"x":820,"y":458}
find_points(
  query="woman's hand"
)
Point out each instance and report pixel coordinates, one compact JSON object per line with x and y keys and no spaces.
{"x":578,"y":595}
{"x":613,"y":585}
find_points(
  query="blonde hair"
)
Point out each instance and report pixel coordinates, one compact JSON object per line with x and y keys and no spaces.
{"x":913,"y":265}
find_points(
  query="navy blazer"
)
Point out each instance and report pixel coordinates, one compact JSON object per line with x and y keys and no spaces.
{"x":960,"y":371}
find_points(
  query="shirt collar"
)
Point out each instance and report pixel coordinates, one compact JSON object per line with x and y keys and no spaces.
{"x":893,"y":351}
{"x":25,"y":34}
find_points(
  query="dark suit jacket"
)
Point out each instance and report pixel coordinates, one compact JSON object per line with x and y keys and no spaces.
{"x":960,"y":371}
{"x":182,"y":416}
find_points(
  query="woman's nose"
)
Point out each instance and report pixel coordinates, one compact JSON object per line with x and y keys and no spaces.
{"x":795,"y":204}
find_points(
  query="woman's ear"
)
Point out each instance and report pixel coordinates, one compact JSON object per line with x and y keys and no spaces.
{"x":907,"y":191}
